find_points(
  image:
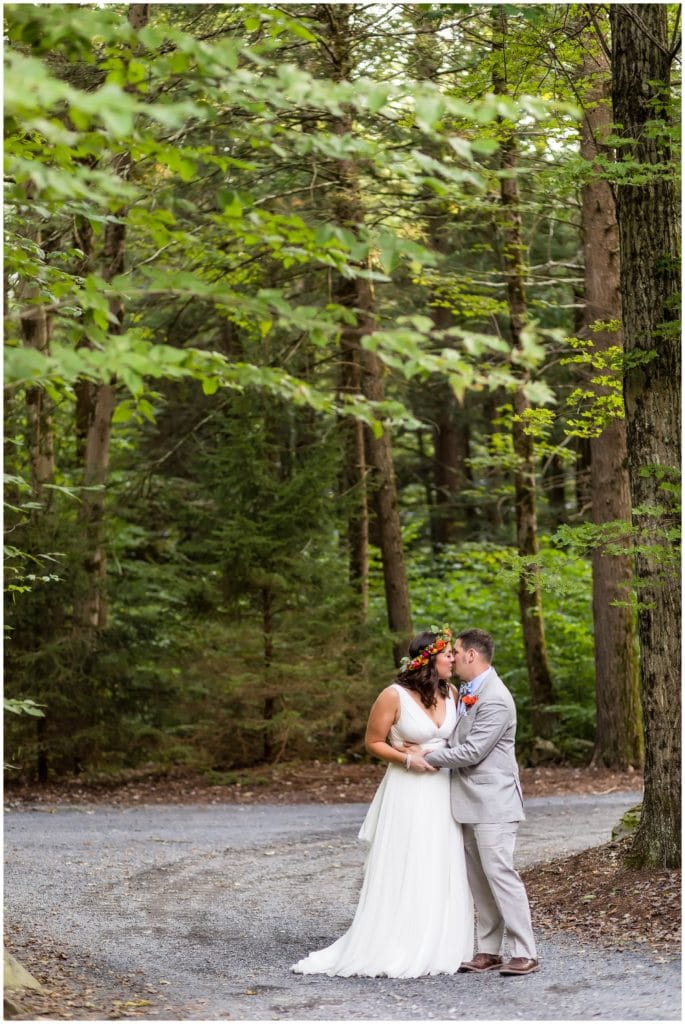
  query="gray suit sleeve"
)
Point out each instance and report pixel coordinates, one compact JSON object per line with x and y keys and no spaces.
{"x":491,"y":722}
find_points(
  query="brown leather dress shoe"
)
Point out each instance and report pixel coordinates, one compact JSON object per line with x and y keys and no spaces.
{"x":519,"y":965}
{"x":481,"y":962}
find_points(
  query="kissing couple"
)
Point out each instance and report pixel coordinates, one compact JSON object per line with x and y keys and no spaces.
{"x":442,"y":825}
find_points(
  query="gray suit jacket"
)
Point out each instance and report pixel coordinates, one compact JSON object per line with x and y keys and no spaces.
{"x":485,"y":778}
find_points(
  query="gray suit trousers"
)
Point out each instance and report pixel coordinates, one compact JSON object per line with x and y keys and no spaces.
{"x":499,"y":894}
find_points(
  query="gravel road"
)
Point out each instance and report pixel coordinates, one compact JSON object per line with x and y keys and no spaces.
{"x":215,"y":902}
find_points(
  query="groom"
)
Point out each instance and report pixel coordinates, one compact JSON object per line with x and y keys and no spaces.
{"x":487,"y":800}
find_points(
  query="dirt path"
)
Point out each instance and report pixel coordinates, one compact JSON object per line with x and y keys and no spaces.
{"x":203,"y":909}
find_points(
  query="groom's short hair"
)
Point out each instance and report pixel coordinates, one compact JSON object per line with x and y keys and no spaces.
{"x":479,"y":640}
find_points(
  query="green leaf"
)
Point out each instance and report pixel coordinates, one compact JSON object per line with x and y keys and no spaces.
{"x":179,"y":62}
{"x":23,"y":707}
{"x":388,"y":252}
{"x":229,"y":202}
{"x":429,"y":109}
{"x":377,"y":95}
{"x":136,"y":72}
{"x":124,"y":412}
{"x":462,"y":147}
{"x":22,"y":364}
{"x":485,"y":145}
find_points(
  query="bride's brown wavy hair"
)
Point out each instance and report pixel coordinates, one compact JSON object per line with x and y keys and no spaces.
{"x":424,"y":680}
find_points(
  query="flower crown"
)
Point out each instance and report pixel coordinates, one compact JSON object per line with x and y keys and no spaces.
{"x":443,"y":640}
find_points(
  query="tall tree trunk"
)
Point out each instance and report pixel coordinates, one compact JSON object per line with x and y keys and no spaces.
{"x":269,"y":707}
{"x":648,"y":232}
{"x":617,"y":682}
{"x":582,"y":481}
{"x":387,"y":511}
{"x":349,"y":211}
{"x":450,"y":431}
{"x":530,"y":597}
{"x":95,"y":404}
{"x":354,"y":471}
{"x":427,"y":477}
{"x":554,"y":486}
{"x":35,"y":327}
{"x":494,"y":490}
{"x":452,"y":475}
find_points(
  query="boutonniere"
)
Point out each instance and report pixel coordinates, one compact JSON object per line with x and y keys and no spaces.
{"x":469,"y":700}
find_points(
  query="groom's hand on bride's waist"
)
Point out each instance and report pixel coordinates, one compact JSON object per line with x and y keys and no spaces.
{"x":413,"y":748}
{"x":418,"y":762}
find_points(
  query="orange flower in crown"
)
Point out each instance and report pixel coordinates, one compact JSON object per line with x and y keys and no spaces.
{"x":443,"y":640}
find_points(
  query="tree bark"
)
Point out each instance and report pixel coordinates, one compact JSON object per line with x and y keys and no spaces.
{"x":35,"y":327}
{"x":554,"y":487}
{"x":451,"y":444}
{"x":354,"y":472}
{"x":618,"y":741}
{"x":648,"y":232}
{"x":529,"y":594}
{"x":269,"y":706}
{"x":495,"y":495}
{"x":349,"y":211}
{"x":95,"y":405}
{"x":450,"y":432}
{"x":386,"y":504}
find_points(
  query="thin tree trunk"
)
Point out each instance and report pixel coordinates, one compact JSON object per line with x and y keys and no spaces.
{"x":35,"y":329}
{"x":35,"y":326}
{"x":451,"y":443}
{"x":42,"y":760}
{"x":494,"y":492}
{"x":530,"y":597}
{"x":450,"y":432}
{"x":349,"y":211}
{"x":269,"y":707}
{"x":95,"y":404}
{"x":582,"y":480}
{"x":91,"y":608}
{"x":650,"y":281}
{"x":95,"y":408}
{"x":426,"y":474}
{"x":554,"y":486}
{"x":619,"y":726}
{"x":354,"y":471}
{"x":388,"y":516}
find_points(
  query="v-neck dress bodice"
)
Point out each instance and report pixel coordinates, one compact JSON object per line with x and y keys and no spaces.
{"x":415,"y":725}
{"x":415,"y":914}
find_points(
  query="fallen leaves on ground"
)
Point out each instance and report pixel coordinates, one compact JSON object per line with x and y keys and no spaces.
{"x":71,"y":991}
{"x":594,"y":895}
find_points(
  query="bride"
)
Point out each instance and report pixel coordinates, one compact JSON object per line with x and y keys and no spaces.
{"x":415,"y":914}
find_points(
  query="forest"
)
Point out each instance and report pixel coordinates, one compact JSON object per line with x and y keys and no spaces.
{"x":325,"y":323}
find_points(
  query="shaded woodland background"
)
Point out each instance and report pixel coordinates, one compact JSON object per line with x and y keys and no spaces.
{"x":326,"y":323}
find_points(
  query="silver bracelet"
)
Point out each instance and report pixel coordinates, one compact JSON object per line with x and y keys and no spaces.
{"x":407,"y":762}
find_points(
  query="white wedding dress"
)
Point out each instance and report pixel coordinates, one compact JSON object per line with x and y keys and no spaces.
{"x":415,"y":913}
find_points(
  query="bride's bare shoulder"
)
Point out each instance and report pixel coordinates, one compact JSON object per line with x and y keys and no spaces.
{"x":388,"y":697}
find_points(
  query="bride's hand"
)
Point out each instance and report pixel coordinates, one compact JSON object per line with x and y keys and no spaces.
{"x":419,"y":763}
